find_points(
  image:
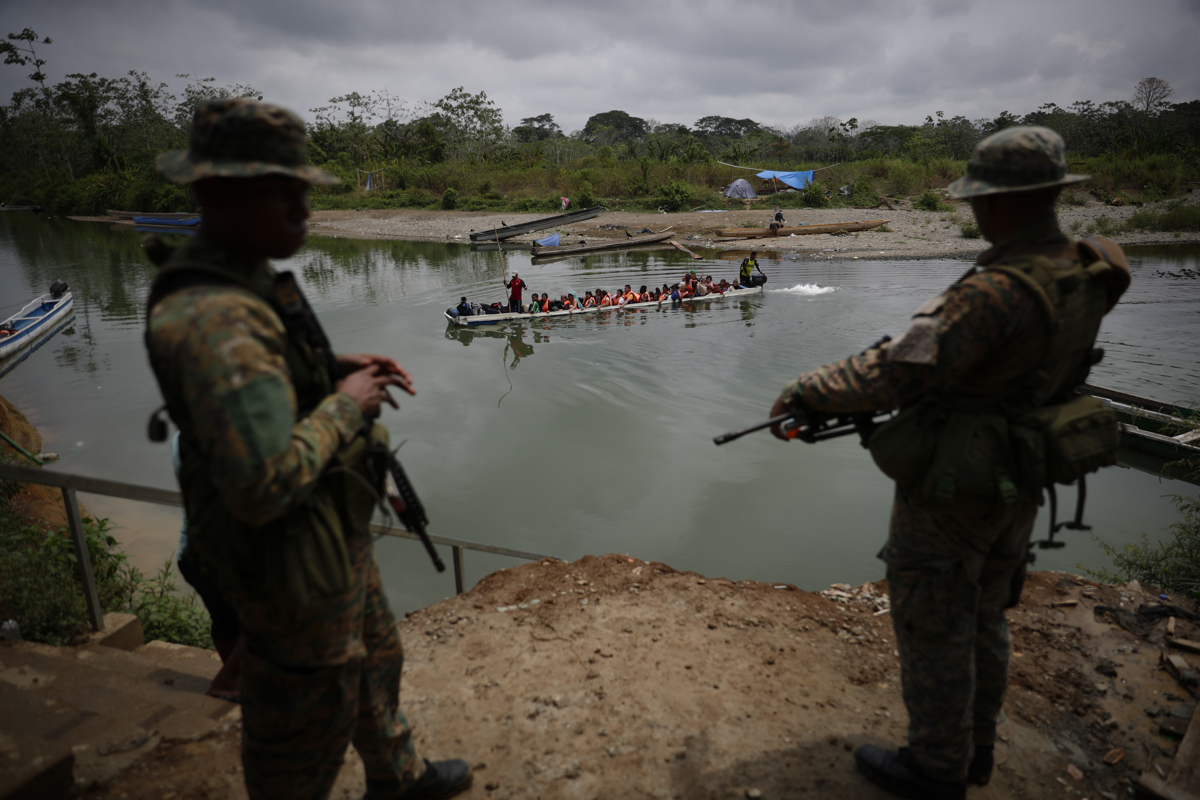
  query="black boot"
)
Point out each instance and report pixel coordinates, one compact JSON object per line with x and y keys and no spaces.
{"x":899,"y":773}
{"x":441,"y":780}
{"x":980,"y":771}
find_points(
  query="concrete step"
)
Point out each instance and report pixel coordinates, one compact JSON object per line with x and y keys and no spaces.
{"x":181,"y":658}
{"x":102,"y":705}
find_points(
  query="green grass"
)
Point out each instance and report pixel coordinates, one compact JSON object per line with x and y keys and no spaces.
{"x":1177,"y":217}
{"x":931,"y":200}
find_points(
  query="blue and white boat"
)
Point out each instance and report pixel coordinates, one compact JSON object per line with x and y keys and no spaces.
{"x":43,"y":317}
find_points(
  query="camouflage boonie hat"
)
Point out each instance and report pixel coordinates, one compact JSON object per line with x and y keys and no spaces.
{"x":1016,"y":160}
{"x":239,"y":138}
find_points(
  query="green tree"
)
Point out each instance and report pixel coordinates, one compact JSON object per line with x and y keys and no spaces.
{"x":614,"y":127}
{"x":470,"y":124}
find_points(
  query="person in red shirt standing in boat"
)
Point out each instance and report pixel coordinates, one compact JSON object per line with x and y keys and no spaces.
{"x":514,"y":287}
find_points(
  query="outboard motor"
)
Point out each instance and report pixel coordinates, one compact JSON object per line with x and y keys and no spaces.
{"x":58,"y":289}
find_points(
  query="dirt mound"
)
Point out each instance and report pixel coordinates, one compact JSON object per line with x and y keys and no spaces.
{"x":614,"y":677}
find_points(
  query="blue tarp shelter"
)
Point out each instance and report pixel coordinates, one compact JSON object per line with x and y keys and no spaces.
{"x":552,"y":240}
{"x":796,"y":180}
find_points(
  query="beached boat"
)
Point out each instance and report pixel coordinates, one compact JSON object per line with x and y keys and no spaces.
{"x":800,"y":230}
{"x":509,"y":231}
{"x":595,"y":247}
{"x":1153,"y":434}
{"x":491,"y":319}
{"x":163,"y":215}
{"x":43,"y":317}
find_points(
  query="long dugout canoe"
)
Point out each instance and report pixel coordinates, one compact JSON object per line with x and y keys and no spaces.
{"x":612,"y":244}
{"x":164,"y":215}
{"x":536,"y":225}
{"x":801,"y":230}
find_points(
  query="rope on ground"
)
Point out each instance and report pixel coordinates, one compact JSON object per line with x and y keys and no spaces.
{"x":760,"y":169}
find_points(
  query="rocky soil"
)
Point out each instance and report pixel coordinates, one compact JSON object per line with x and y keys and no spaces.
{"x":612,"y":677}
{"x":913,"y":233}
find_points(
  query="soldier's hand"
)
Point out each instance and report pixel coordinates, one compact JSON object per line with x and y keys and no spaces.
{"x":389,"y":366}
{"x":369,"y":388}
{"x":780,"y":407}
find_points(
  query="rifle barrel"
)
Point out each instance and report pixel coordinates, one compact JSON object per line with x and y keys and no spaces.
{"x":729,"y":437}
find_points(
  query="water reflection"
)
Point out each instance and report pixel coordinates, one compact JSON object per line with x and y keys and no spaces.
{"x":513,"y":334}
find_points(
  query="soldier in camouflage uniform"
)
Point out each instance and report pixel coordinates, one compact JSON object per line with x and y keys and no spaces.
{"x":277,"y":479}
{"x":956,"y":562}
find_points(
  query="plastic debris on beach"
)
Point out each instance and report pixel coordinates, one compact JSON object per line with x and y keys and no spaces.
{"x":866,"y":595}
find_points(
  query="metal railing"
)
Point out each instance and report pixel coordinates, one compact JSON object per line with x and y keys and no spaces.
{"x":70,"y":484}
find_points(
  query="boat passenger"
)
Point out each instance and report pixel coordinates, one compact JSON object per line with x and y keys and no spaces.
{"x":464,"y":308}
{"x":589,"y":301}
{"x":605,"y":300}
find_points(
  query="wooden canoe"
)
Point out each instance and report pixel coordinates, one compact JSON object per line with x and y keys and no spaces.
{"x":1153,"y":434}
{"x":536,"y":225}
{"x":164,"y":215}
{"x":611,"y":244}
{"x":801,"y":230}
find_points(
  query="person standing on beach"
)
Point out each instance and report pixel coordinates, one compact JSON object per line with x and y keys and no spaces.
{"x":279,"y":467}
{"x":514,"y":287}
{"x":1011,"y":339}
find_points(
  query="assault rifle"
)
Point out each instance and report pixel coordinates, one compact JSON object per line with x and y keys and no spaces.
{"x":402,"y":497}
{"x":293,"y":308}
{"x":814,"y":426}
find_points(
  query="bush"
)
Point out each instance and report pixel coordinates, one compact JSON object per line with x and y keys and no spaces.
{"x":449,"y":199}
{"x":813,"y":196}
{"x":969,"y":230}
{"x":931,"y":200}
{"x":584,"y":198}
{"x":1104,"y":226}
{"x":1173,"y":565}
{"x":40,"y":586}
{"x":1177,"y":217}
{"x":676,"y":196}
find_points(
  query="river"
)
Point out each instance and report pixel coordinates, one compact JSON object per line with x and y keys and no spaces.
{"x":591,"y":435}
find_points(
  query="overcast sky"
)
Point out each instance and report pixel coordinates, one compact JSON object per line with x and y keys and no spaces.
{"x":779,"y":63}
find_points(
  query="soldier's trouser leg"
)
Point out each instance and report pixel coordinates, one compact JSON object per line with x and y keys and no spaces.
{"x":306,"y":674}
{"x":383,"y":737}
{"x":950,"y":576}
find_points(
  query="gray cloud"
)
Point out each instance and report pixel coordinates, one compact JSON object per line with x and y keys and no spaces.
{"x":776,"y":61}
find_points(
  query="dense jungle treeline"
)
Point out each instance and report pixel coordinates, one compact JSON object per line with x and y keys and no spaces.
{"x":87,"y":143}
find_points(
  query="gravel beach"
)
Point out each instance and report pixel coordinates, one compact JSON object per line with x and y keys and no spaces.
{"x":912,"y":233}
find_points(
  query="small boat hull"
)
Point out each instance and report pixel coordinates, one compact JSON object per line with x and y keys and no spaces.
{"x":40,"y":318}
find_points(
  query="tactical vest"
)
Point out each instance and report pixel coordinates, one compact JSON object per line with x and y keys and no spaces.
{"x":962,"y":442}
{"x":301,"y":557}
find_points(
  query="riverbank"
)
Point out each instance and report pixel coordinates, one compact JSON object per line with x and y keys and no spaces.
{"x":912,"y":233}
{"x":614,"y":677}
{"x":32,"y":504}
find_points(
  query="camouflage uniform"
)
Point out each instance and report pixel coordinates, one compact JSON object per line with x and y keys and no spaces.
{"x":953,"y":568}
{"x":273,"y":516}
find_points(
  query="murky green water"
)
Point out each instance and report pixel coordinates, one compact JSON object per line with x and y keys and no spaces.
{"x":569,"y":437}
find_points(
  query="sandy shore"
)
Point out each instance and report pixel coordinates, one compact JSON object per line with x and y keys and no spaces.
{"x":612,"y":677}
{"x":911,"y":234}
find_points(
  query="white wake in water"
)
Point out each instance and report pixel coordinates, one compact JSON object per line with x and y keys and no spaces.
{"x":807,"y":289}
